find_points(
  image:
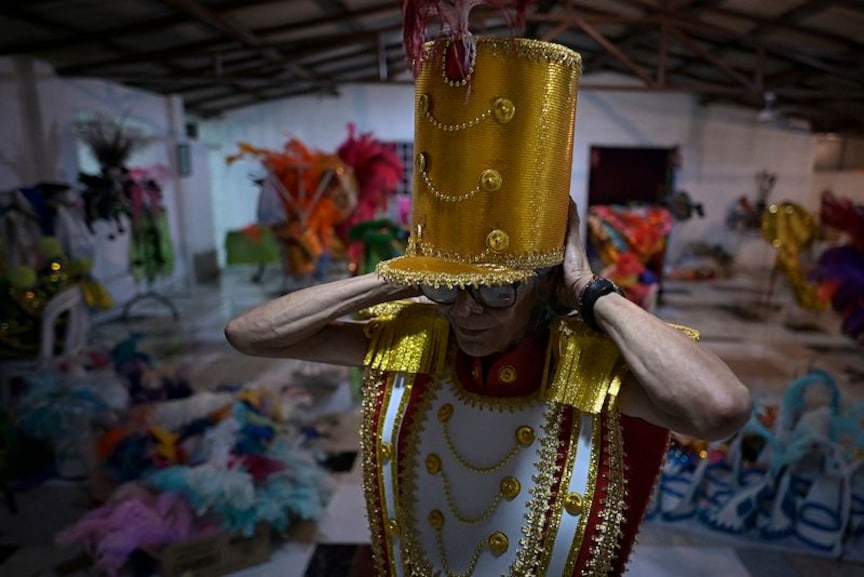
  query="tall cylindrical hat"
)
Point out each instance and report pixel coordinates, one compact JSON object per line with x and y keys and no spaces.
{"x":493,"y":151}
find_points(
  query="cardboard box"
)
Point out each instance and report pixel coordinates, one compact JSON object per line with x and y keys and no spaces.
{"x":216,"y":555}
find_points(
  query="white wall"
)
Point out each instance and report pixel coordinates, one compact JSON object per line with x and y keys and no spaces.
{"x":722,"y":149}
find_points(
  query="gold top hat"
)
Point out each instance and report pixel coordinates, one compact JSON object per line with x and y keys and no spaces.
{"x":492,"y":163}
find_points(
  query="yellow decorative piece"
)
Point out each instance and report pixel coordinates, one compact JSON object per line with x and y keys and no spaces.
{"x":386,"y":452}
{"x":791,"y":229}
{"x":521,"y":144}
{"x":498,"y":543}
{"x":410,"y":338}
{"x":490,"y":180}
{"x":504,"y":110}
{"x":497,"y":240}
{"x":95,"y":294}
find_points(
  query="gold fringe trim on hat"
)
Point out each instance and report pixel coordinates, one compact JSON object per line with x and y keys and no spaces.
{"x":486,"y":257}
{"x":589,"y":368}
{"x":413,"y":271}
{"x":407,"y":337}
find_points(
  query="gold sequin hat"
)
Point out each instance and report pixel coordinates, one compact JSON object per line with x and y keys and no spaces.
{"x":492,"y":162}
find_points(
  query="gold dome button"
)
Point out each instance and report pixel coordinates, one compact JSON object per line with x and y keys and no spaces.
{"x":423,"y":103}
{"x":436,"y":519}
{"x":498,"y":542}
{"x":510,"y":487}
{"x":525,"y":436}
{"x":507,"y":374}
{"x":433,"y":464}
{"x":393,"y":526}
{"x":386,"y":451}
{"x":573,"y":503}
{"x":445,"y":412}
{"x":497,"y":240}
{"x":490,"y":180}
{"x":504,"y":110}
{"x":420,"y":162}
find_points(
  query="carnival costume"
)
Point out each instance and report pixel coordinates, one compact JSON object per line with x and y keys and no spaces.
{"x":518,"y":464}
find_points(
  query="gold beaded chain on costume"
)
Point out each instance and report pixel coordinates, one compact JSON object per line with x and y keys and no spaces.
{"x":451,"y":503}
{"x":442,"y":554}
{"x":524,"y":438}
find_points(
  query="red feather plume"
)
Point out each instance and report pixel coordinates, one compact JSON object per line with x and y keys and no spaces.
{"x":454,"y":18}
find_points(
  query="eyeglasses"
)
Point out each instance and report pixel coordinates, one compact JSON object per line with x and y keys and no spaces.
{"x":493,"y":297}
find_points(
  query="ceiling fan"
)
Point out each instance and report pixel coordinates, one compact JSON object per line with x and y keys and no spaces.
{"x":768,"y":114}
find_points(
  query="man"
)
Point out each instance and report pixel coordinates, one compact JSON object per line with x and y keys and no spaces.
{"x":515,"y":424}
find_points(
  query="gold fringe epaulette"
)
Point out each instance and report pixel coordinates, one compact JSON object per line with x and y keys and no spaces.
{"x":406,"y":337}
{"x":588,"y":367}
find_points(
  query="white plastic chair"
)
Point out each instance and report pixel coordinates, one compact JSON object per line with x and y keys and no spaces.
{"x":70,"y":300}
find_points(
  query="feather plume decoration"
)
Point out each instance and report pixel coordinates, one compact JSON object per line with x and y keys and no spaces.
{"x":454,"y":22}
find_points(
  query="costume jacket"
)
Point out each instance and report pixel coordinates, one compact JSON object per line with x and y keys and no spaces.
{"x":519,"y":465}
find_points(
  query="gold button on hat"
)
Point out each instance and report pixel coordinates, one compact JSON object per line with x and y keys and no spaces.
{"x":497,"y":241}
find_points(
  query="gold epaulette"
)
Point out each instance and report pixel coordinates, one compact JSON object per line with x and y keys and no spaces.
{"x":406,"y":337}
{"x":588,"y":366}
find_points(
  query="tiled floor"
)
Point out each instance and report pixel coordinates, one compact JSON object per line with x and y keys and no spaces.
{"x":767,"y":342}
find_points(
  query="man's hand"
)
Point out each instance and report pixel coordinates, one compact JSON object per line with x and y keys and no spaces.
{"x":577,"y":269}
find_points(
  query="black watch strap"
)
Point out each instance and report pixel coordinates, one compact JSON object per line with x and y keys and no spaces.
{"x":597,"y":287}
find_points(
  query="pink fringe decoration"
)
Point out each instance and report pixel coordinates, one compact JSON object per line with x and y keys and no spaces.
{"x":454,"y":18}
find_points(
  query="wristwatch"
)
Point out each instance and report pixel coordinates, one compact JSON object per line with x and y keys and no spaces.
{"x":596,"y":288}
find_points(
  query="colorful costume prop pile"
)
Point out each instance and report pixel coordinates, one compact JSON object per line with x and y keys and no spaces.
{"x":793,"y":477}
{"x":304,"y":195}
{"x":840,"y":270}
{"x":627,"y":242}
{"x":310,"y":199}
{"x":521,"y":465}
{"x":230,"y":468}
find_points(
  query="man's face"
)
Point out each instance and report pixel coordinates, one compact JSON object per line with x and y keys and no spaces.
{"x":482,"y":331}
